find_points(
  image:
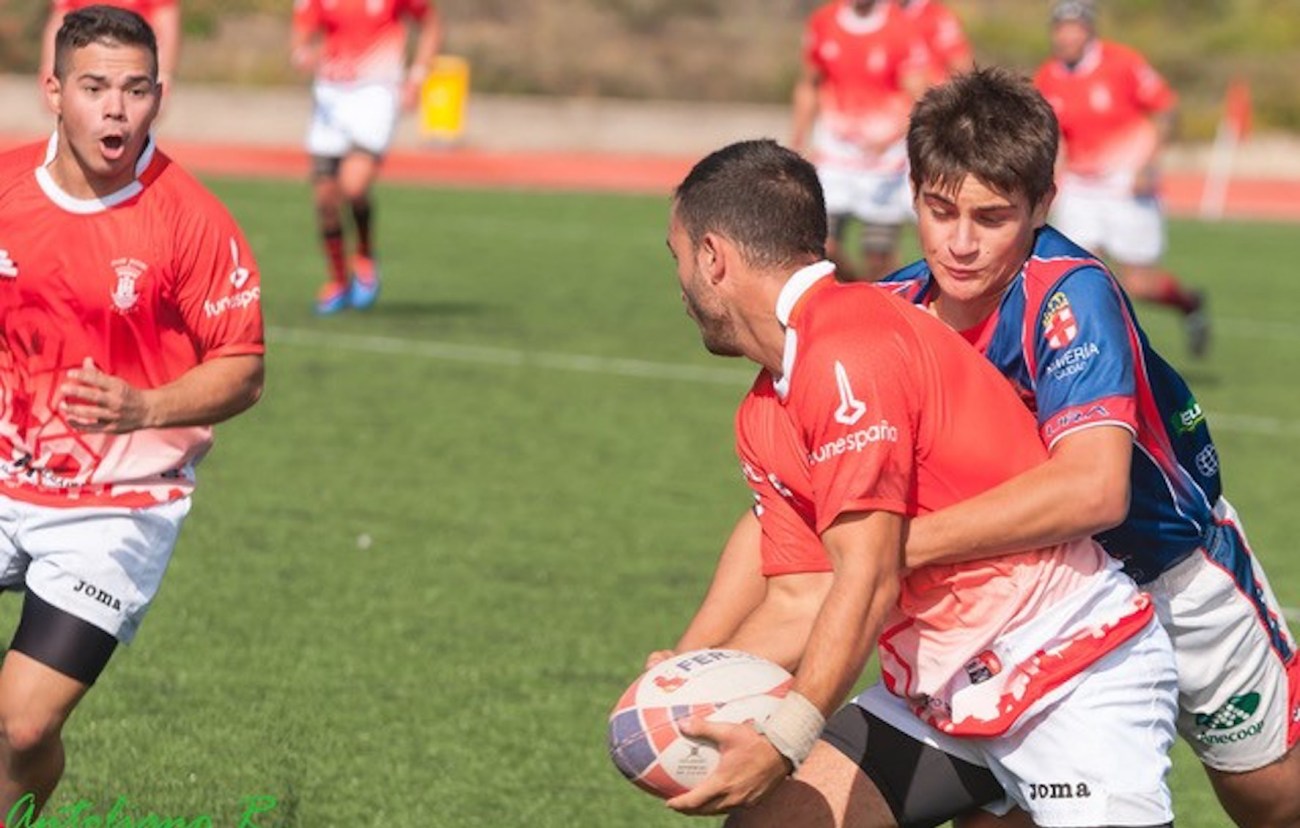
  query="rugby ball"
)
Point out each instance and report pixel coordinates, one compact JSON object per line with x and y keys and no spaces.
{"x":645,"y":740}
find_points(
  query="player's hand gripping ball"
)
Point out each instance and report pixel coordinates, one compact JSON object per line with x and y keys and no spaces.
{"x":645,"y":740}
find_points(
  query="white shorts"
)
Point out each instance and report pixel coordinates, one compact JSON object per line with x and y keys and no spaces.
{"x":349,"y":117}
{"x":871,"y":196}
{"x":100,"y":564}
{"x":1238,"y":673}
{"x":1110,"y":221}
{"x":1093,"y":752}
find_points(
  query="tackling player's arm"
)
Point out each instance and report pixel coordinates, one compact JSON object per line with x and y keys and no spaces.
{"x":866,"y":550}
{"x":1082,"y":489}
{"x":206,"y":394}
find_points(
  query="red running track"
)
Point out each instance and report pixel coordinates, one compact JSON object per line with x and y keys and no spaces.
{"x":1247,"y":198}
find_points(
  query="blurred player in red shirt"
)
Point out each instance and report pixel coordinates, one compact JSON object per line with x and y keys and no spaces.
{"x":1116,"y":114}
{"x":130,"y":323}
{"x":862,"y":67}
{"x":163,"y":16}
{"x":356,"y":50}
{"x":946,"y":45}
{"x":868,"y":412}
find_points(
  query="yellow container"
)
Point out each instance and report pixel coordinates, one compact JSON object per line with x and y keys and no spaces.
{"x":443,"y":98}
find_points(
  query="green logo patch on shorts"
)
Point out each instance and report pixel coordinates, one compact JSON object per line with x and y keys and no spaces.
{"x":1236,"y":712}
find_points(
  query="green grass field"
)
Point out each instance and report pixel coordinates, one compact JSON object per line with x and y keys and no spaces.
{"x":418,"y":573}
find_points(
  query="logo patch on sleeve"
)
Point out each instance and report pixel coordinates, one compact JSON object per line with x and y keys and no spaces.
{"x":1059,"y":323}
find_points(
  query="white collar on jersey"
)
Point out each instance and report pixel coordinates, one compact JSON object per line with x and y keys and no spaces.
{"x":86,"y":206}
{"x":799,"y":284}
{"x":1090,"y":60}
{"x":857,"y":24}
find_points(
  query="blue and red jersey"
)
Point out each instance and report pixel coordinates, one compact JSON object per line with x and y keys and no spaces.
{"x":1066,"y":335}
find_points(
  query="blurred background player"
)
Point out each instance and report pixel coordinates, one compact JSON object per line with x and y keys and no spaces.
{"x":1116,"y":113}
{"x":863,"y":66}
{"x":357,"y":51}
{"x":117,"y":355}
{"x":163,"y":16}
{"x":947,"y":48}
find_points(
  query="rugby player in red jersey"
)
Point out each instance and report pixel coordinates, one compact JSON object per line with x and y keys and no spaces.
{"x":130,"y":323}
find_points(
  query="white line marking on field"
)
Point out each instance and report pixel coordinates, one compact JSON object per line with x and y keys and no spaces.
{"x":509,"y":356}
{"x":1257,"y":329}
{"x":487,"y":355}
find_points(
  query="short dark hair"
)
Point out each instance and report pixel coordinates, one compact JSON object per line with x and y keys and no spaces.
{"x":101,"y":24}
{"x":990,"y":123}
{"x":764,"y":197}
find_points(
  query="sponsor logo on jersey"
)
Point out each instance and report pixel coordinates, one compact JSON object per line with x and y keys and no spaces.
{"x":239,"y":275}
{"x":1059,"y":323}
{"x":752,"y":474}
{"x":233,"y":302}
{"x":125,"y":294}
{"x":851,"y":408}
{"x":8,"y":269}
{"x":983,"y":667}
{"x":1073,"y":417}
{"x":1225,"y":725}
{"x":1207,"y":461}
{"x":860,"y":440}
{"x":1186,"y":421}
{"x":780,"y":487}
{"x":1058,"y":790}
{"x":1072,"y":360}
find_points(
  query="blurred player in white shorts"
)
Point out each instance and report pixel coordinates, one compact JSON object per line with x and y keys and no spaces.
{"x":1116,"y":113}
{"x":117,"y":356}
{"x":356,"y":50}
{"x":863,"y":65}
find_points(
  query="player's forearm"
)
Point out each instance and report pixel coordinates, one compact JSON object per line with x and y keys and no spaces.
{"x":778,"y":628}
{"x":738,"y":587}
{"x":167,"y":28}
{"x":1078,"y":492}
{"x":427,"y":45}
{"x":208,"y":393}
{"x":866,"y":548}
{"x":804,"y":112}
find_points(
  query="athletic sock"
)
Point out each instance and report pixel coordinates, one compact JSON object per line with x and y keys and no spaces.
{"x":335,"y":257}
{"x":361,"y":216}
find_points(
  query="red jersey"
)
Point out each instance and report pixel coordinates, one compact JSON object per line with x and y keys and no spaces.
{"x":945,"y":41}
{"x":148,"y":282}
{"x":144,"y":8}
{"x":365,"y":40}
{"x":1104,"y":106}
{"x":862,"y":62}
{"x":882,"y":408}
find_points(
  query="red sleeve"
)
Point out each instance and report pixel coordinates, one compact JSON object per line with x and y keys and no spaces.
{"x":306,"y":15}
{"x":857,"y":412}
{"x":812,"y":40}
{"x":218,"y":285}
{"x":1152,"y":92}
{"x":949,"y":40}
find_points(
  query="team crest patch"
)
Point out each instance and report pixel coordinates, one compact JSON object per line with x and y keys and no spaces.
{"x":1059,"y":323}
{"x":125,"y":295}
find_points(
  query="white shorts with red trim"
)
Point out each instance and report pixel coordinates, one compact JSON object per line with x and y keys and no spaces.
{"x":1093,"y":752}
{"x":348,"y":117}
{"x":1238,"y":673}
{"x":100,"y":564}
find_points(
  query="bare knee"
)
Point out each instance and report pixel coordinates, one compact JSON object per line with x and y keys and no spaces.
{"x":30,"y":732}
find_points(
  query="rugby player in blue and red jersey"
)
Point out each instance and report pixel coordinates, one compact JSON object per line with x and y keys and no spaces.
{"x":1131,"y":460}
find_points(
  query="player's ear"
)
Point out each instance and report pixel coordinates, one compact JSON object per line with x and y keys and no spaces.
{"x":711,"y":256}
{"x":1044,"y":207}
{"x":53,"y":89}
